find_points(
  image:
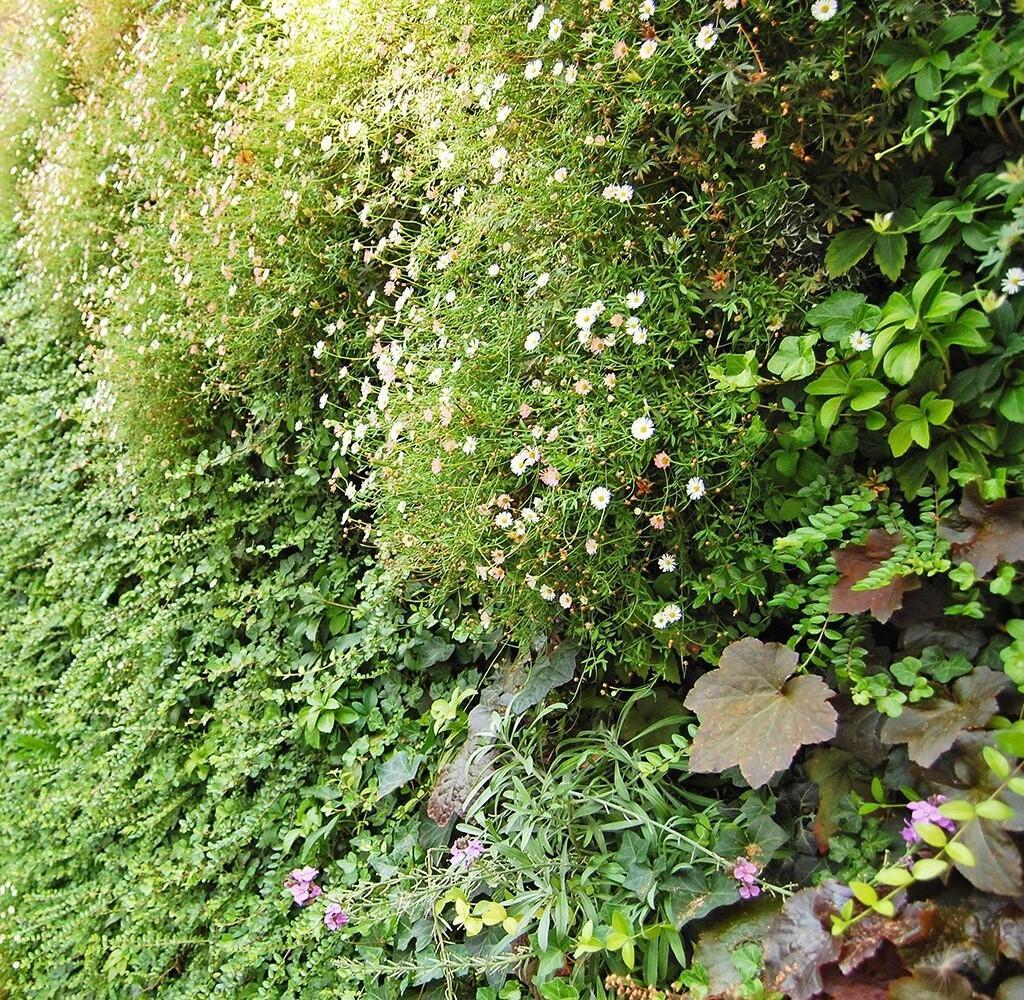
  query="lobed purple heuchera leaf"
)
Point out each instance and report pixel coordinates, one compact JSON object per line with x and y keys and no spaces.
{"x":754,"y":714}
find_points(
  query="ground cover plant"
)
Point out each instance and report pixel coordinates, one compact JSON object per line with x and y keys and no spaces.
{"x":510,"y":500}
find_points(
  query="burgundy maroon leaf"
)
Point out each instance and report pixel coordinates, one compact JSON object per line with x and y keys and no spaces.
{"x":989,"y":533}
{"x":754,"y":714}
{"x":932,"y":984}
{"x":913,"y":924}
{"x":800,"y":943}
{"x":854,"y":563}
{"x":831,"y":771}
{"x":929,"y":729}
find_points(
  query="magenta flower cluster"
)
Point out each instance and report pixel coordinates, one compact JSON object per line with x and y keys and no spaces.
{"x":334,"y":917}
{"x":465,"y":851}
{"x":301,"y":885}
{"x":925,"y":811}
{"x":745,"y":872}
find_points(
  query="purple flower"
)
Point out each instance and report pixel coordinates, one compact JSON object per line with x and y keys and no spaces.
{"x":745,"y":872}
{"x":465,"y":851}
{"x":301,"y":885}
{"x":334,"y":916}
{"x":925,"y":811}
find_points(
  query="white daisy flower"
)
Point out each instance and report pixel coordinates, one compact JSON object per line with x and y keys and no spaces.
{"x":586,"y":318}
{"x":695,"y":488}
{"x":565,"y":600}
{"x":1014,"y":281}
{"x":532,"y":341}
{"x":635,"y":299}
{"x":860,"y":341}
{"x":667,"y":562}
{"x":499,"y":157}
{"x":646,"y":11}
{"x":469,"y":445}
{"x":535,"y":17}
{"x":518,"y":464}
{"x":824,"y":10}
{"x":706,"y":37}
{"x":600,"y":497}
{"x":648,"y":48}
{"x":555,"y":29}
{"x":504,"y":520}
{"x":547,"y":592}
{"x":642,"y":428}
{"x":533,"y":69}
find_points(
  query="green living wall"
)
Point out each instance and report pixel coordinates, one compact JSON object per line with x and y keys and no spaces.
{"x":505,"y":500}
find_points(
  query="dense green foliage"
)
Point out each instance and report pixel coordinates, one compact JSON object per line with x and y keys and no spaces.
{"x":542,"y":484}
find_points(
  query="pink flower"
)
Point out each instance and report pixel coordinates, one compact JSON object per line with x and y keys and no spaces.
{"x":661,"y":460}
{"x":550,"y":476}
{"x":925,"y":811}
{"x":745,"y":872}
{"x":334,"y":916}
{"x":525,"y":410}
{"x":657,"y":521}
{"x":301,"y":885}
{"x":465,"y":851}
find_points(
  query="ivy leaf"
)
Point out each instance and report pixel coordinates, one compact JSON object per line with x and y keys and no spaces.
{"x":989,"y":533}
{"x":694,"y":894}
{"x":854,"y":563}
{"x":930,"y":728}
{"x":754,"y":714}
{"x":553,"y":666}
{"x":847,"y":249}
{"x":396,"y":771}
{"x":799,"y":941}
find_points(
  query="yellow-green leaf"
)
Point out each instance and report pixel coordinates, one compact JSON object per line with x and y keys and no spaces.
{"x":997,"y":763}
{"x":929,"y":868}
{"x":932,"y":835}
{"x":864,"y":893}
{"x":895,"y":877}
{"x":960,"y":854}
{"x":994,"y":809}
{"x":958,"y":810}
